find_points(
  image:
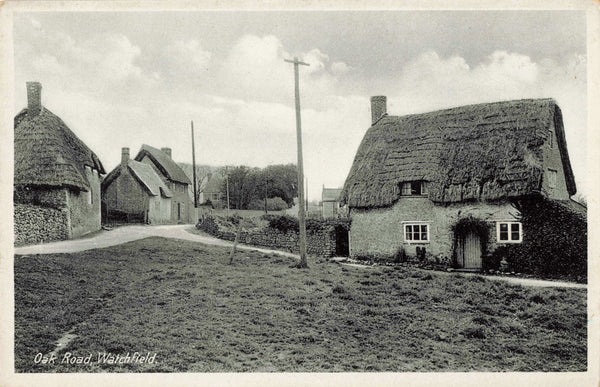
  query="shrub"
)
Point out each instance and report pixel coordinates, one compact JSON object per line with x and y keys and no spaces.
{"x":273,"y":204}
{"x":284,"y":223}
{"x":554,"y":242}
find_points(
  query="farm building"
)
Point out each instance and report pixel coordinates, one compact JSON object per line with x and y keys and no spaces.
{"x":56,"y":177}
{"x":454,"y":183}
{"x":175,"y":179}
{"x":330,"y":202}
{"x":133,"y":192}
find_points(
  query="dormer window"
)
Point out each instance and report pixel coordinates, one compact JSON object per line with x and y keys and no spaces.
{"x":414,"y":188}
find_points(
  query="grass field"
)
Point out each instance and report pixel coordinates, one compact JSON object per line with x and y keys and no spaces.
{"x":183,"y":302}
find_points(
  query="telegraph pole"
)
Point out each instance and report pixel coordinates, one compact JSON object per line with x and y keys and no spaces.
{"x":194,"y":168}
{"x":303,"y":262}
{"x":227,"y":182}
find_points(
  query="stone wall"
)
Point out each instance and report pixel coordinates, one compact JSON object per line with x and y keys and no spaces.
{"x":37,"y":224}
{"x":380,"y":231}
{"x":320,"y":242}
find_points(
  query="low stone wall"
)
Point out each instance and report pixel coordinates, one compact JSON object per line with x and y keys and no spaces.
{"x":36,"y":224}
{"x":320,"y":243}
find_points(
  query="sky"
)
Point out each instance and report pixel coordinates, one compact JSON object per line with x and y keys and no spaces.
{"x":123,"y":79}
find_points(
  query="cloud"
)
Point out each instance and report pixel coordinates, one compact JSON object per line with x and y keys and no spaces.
{"x":186,"y":57}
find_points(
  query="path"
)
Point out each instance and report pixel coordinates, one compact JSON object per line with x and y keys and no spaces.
{"x":126,"y":234}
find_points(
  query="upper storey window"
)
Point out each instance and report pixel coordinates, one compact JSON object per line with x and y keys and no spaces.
{"x":414,"y":188}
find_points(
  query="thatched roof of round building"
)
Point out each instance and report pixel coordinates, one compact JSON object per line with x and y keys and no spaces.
{"x":482,"y":152}
{"x":48,"y":153}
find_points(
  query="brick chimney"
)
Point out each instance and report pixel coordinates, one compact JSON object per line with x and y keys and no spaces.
{"x":167,"y":151}
{"x":34,"y":98}
{"x":124,"y":157}
{"x":378,"y":107}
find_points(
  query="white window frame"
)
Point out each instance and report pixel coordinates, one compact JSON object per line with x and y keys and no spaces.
{"x":509,"y":240}
{"x":552,"y":177}
{"x":416,"y":223}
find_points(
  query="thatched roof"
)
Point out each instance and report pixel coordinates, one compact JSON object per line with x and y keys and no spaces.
{"x":479,"y":152}
{"x":214,"y":182}
{"x":331,"y":194}
{"x":144,"y":175}
{"x":164,"y":163}
{"x":48,"y":153}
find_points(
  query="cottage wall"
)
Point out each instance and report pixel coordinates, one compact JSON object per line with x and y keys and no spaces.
{"x":125,"y":194}
{"x":552,"y":160}
{"x":330,"y":209}
{"x":180,"y":197}
{"x":381,"y":232}
{"x":180,"y":194}
{"x":84,"y":207}
{"x":159,"y":210}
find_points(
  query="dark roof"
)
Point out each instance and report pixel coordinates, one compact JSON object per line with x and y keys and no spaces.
{"x":164,"y":163}
{"x":478,"y":152}
{"x":48,"y":153}
{"x":213,"y":184}
{"x":145,"y":175}
{"x":331,"y":194}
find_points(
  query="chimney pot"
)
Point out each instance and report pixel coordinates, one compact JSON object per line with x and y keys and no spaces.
{"x":378,"y":107}
{"x":167,"y":151}
{"x":124,"y":157}
{"x":34,"y":98}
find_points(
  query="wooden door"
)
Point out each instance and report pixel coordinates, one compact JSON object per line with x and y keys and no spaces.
{"x":468,"y":251}
{"x":472,"y":251}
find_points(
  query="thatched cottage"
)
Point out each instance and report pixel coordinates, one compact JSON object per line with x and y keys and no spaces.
{"x":445,"y":183}
{"x":56,"y":177}
{"x":175,"y":179}
{"x":133,"y":192}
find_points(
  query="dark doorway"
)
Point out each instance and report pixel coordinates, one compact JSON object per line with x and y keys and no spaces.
{"x":342,"y":242}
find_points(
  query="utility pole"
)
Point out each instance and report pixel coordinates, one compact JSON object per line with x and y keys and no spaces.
{"x":306,"y":194}
{"x":194,"y":168}
{"x":227,"y":180}
{"x":303,"y":262}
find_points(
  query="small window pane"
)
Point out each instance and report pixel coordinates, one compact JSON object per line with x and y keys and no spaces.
{"x":503,"y":227}
{"x":409,"y":233}
{"x":514,"y":227}
{"x":406,"y":188}
{"x":424,"y":188}
{"x":514,"y":236}
{"x":415,"y":188}
{"x":424,"y":232}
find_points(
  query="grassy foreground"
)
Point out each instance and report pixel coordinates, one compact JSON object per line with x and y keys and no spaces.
{"x":183,"y":302}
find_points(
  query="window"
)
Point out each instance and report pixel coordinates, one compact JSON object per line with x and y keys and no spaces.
{"x":509,"y":232}
{"x":413,"y":188}
{"x":552,"y":178}
{"x":416,"y":232}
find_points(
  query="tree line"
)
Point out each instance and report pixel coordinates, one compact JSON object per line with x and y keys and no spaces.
{"x":249,"y":188}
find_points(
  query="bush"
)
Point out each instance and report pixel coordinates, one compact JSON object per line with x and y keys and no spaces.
{"x":554,"y":243}
{"x":273,"y":204}
{"x":284,"y":223}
